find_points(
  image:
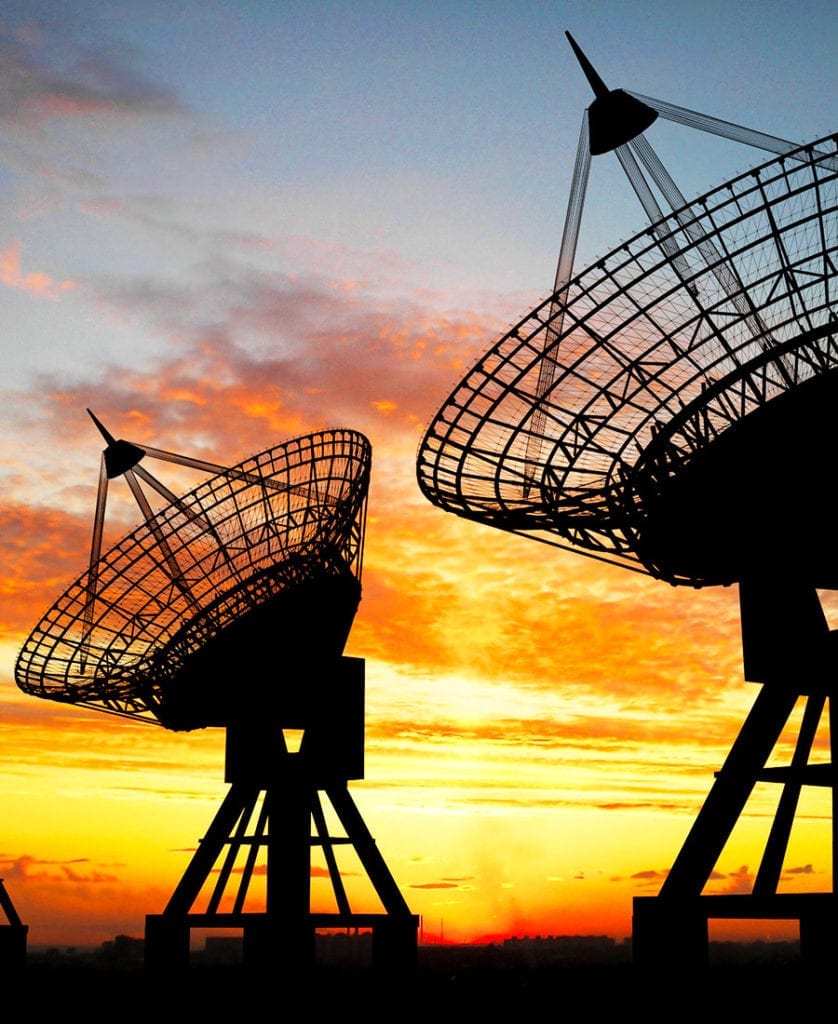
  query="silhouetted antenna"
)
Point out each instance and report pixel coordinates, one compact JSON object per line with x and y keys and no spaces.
{"x":670,"y":409}
{"x":230,"y":607}
{"x":12,"y":936}
{"x":539,"y":435}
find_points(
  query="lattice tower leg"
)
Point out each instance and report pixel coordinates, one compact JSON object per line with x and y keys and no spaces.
{"x":285,"y":820}
{"x":789,"y":648}
{"x":12,"y":936}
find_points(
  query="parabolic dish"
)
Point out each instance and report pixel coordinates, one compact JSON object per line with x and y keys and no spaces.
{"x":689,"y":393}
{"x":200,"y":614}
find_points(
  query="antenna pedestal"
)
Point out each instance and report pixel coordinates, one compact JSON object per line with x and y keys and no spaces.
{"x":789,"y":649}
{"x":253,"y":871}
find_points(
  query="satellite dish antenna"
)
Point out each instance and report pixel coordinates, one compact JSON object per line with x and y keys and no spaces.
{"x":230,"y":607}
{"x":670,"y":409}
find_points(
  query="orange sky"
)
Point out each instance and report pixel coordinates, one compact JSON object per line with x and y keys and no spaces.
{"x":541,"y":729}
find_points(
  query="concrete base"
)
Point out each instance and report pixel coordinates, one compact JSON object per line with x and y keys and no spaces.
{"x":13,"y":947}
{"x":674,"y":931}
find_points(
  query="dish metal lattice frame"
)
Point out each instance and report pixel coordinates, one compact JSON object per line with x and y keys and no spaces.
{"x":664,"y":344}
{"x":117,"y":637}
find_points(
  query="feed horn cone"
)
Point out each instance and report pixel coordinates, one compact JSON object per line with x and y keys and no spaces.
{"x":120,"y":456}
{"x":615,"y":117}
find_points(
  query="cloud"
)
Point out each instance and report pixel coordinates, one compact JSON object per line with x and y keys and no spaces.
{"x":95,"y":876}
{"x":287,"y":350}
{"x":806,"y":869}
{"x":605,"y":734}
{"x":34,"y":282}
{"x":27,"y":868}
{"x":645,"y":804}
{"x":43,"y":78}
{"x":740,"y":881}
{"x":42,"y":550}
{"x":649,"y":875}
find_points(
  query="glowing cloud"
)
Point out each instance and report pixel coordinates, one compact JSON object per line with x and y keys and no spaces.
{"x":34,"y":282}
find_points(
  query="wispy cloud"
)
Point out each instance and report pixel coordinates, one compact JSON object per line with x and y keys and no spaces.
{"x":44,"y":78}
{"x":35,"y":282}
{"x":297,"y":350}
{"x":27,"y":868}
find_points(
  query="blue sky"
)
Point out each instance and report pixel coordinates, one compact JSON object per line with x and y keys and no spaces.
{"x":441,"y":136}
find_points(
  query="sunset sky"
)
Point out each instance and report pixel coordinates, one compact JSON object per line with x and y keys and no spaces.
{"x":226,"y":225}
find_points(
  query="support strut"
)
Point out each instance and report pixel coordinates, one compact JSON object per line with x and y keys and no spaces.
{"x":789,"y":649}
